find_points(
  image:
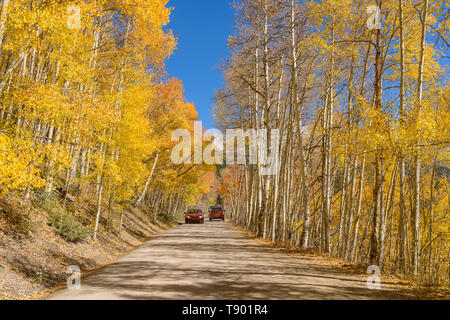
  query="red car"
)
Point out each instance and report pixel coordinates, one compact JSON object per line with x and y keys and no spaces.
{"x":216,"y":212}
{"x":194,"y":216}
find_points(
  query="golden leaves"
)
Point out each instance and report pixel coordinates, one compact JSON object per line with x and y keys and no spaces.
{"x":85,"y":94}
{"x":17,"y":165}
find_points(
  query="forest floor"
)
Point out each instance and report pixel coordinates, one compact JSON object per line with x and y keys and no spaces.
{"x":215,"y":261}
{"x":413,"y":289}
{"x":35,"y":263}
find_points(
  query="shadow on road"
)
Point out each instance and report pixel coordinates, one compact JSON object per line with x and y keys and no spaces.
{"x":214,"y":261}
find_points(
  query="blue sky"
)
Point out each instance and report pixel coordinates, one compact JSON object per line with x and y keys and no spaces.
{"x":202,"y":28}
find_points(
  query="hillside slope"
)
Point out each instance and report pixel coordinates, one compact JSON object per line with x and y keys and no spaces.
{"x":34,"y":258}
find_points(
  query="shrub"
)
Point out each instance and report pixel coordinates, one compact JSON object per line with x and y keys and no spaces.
{"x":68,"y":226}
{"x":166,"y":218}
{"x":49,"y":203}
{"x":24,"y":223}
{"x":62,"y":222}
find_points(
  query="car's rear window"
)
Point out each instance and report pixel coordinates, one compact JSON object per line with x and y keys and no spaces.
{"x":216,"y":209}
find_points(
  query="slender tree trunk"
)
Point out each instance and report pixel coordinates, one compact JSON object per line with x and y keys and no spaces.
{"x":99,"y":209}
{"x":147,"y":183}
{"x":416,"y":240}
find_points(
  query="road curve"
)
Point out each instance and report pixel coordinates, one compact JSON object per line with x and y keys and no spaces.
{"x":215,"y":261}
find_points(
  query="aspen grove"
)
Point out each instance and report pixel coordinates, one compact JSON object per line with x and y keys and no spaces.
{"x":364,"y":115}
{"x":85,"y":110}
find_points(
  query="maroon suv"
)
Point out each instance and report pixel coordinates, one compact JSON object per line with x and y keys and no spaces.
{"x":194,"y":216}
{"x":216,"y":212}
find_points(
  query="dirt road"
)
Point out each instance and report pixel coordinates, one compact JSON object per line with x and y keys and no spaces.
{"x":215,"y":261}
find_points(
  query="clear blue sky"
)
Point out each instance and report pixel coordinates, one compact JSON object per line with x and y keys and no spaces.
{"x":202,"y":28}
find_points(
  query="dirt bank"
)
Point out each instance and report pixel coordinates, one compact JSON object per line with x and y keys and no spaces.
{"x":34,"y":263}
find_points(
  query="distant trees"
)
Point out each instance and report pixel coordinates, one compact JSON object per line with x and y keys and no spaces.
{"x":364,"y":115}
